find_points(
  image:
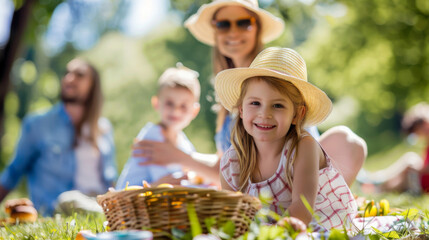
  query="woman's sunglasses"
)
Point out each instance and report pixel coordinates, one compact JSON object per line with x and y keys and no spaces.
{"x":244,"y":24}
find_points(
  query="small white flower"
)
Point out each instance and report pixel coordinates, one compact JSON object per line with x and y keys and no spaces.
{"x":206,"y":237}
{"x":73,"y":223}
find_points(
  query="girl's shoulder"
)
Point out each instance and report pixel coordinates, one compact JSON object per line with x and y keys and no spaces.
{"x":306,"y":138}
{"x":310,"y":147}
{"x":306,"y":141}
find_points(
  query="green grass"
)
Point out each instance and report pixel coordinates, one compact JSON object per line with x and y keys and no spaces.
{"x":61,"y":227}
{"x":58,"y":227}
{"x":383,"y":159}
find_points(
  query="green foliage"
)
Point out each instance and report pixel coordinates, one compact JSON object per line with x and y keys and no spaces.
{"x":193,"y":220}
{"x":376,"y":53}
{"x":59,"y":227}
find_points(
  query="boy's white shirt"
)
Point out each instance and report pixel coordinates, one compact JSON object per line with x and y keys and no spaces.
{"x":135,"y":173}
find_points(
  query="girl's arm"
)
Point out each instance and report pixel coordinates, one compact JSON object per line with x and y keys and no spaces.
{"x":305,"y":178}
{"x":224,"y":184}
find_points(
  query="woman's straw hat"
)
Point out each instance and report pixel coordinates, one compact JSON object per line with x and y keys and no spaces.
{"x":281,"y":63}
{"x":200,"y":26}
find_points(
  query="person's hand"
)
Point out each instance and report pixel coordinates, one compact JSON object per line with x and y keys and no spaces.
{"x":296,"y":224}
{"x":159,"y":153}
{"x":424,"y":170}
{"x":172,"y":179}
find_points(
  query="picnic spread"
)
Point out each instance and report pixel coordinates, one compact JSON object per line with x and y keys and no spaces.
{"x":160,"y":209}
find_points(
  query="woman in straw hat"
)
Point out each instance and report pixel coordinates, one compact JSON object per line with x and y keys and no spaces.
{"x":237,"y":30}
{"x":272,"y":153}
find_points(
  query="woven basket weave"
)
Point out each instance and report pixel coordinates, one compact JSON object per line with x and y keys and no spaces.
{"x":161,"y":209}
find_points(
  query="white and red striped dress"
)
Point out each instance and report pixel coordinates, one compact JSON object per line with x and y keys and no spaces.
{"x":334,"y":205}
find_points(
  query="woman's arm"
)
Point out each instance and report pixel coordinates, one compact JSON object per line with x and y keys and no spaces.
{"x":163,"y":153}
{"x":305,"y":178}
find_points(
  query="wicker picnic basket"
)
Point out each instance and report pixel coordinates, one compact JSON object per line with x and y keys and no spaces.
{"x":161,"y":209}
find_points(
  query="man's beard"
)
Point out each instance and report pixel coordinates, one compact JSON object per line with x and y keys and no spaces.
{"x":72,"y":99}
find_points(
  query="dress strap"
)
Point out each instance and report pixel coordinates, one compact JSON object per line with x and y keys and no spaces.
{"x":328,"y":159}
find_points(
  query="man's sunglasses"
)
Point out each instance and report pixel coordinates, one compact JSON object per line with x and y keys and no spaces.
{"x":244,"y":24}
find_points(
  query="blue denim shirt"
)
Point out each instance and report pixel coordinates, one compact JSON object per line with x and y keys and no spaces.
{"x":223,"y":137}
{"x":45,"y":154}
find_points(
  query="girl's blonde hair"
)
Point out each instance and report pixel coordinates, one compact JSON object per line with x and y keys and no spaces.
{"x":243,"y":142}
{"x":222,"y":62}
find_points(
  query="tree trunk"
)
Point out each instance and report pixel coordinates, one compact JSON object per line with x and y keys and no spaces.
{"x":9,"y":54}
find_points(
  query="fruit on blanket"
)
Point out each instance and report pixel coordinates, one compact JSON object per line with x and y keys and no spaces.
{"x":384,"y":207}
{"x":165,"y":185}
{"x":370,"y":209}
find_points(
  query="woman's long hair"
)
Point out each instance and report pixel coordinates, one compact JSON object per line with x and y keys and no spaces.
{"x":244,"y":143}
{"x":92,"y":109}
{"x":222,"y":62}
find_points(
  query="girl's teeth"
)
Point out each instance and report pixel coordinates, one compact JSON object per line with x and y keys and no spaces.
{"x":261,"y":126}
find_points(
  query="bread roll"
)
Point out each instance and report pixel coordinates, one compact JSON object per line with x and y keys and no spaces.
{"x":12,"y":203}
{"x":23,"y":214}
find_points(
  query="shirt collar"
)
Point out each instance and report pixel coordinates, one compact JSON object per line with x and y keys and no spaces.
{"x":63,"y":113}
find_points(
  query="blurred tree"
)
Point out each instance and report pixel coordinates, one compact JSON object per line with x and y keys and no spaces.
{"x":9,"y":53}
{"x":19,"y":79}
{"x":376,"y":52}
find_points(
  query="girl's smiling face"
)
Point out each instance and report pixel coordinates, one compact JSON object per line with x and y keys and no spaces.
{"x":266,"y":113}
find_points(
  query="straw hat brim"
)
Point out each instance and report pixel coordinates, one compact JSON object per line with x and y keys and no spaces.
{"x":228,"y":86}
{"x":200,"y":26}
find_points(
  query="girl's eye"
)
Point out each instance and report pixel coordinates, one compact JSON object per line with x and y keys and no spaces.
{"x":278,"y":105}
{"x":255,"y":103}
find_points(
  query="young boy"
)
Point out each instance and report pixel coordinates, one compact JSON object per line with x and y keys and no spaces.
{"x":177,"y":103}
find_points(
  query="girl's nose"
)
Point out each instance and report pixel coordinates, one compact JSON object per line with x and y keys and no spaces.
{"x":265,"y":113}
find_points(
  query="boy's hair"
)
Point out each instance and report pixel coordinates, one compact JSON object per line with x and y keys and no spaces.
{"x":414,"y":117}
{"x":181,"y":76}
{"x":243,"y":142}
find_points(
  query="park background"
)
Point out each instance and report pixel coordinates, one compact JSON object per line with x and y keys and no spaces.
{"x":370,"y":57}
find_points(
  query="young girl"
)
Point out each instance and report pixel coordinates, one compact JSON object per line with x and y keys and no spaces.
{"x":271,"y":152}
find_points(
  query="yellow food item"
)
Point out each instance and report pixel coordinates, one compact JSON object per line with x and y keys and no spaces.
{"x":384,"y":207}
{"x":370,"y":210}
{"x":132,"y":187}
{"x":165,"y":185}
{"x":146,"y":184}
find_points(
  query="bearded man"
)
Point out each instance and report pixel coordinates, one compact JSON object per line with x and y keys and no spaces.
{"x":69,"y":147}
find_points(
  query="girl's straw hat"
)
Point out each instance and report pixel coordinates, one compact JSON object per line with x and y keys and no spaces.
{"x":200,"y":26}
{"x":282,"y":63}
